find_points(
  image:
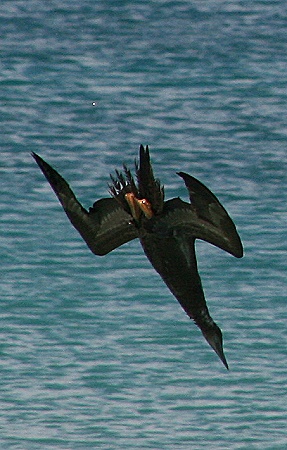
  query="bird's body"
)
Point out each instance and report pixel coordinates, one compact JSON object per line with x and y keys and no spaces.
{"x":166,"y":229}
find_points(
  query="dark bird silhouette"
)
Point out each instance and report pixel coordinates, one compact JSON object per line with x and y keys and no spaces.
{"x":166,"y":229}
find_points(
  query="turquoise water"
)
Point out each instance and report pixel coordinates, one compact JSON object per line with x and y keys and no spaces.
{"x":96,"y":352}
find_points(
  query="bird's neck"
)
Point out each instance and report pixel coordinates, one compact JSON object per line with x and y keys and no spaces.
{"x":203,"y":319}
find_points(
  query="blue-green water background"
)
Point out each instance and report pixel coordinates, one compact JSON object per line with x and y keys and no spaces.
{"x":95,"y":352}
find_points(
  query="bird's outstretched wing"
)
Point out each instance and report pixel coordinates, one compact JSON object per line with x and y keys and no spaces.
{"x":204,"y":218}
{"x":104,"y":227}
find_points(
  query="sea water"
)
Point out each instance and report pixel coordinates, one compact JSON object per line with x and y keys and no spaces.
{"x":95,"y":351}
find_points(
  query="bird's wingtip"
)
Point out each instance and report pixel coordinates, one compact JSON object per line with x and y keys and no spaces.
{"x":37,"y":158}
{"x":181,"y":174}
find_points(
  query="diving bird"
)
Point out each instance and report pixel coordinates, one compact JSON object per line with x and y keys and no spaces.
{"x":166,"y":229}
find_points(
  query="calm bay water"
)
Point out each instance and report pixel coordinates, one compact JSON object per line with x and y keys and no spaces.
{"x":95,"y":352}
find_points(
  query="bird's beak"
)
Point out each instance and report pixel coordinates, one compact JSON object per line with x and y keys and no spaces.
{"x":220,"y":353}
{"x":215,"y":341}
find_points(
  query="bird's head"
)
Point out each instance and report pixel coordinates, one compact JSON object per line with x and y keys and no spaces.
{"x":213,"y":335}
